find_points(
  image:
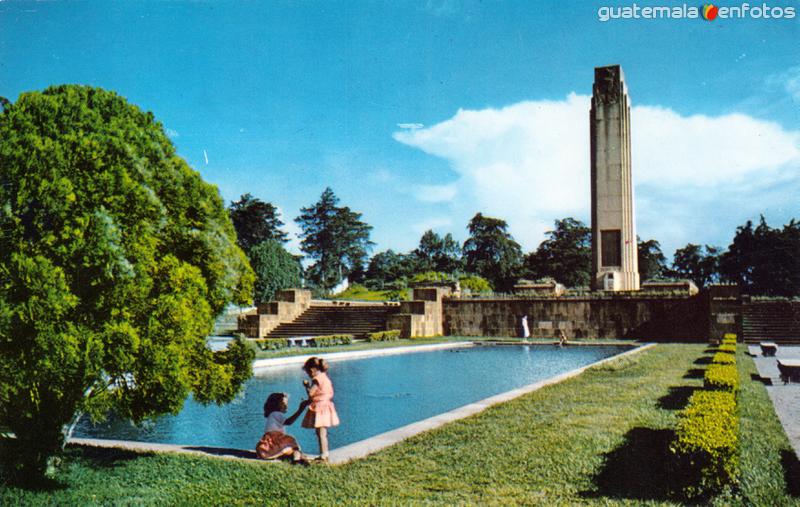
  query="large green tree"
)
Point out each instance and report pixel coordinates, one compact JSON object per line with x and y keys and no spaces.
{"x":651,"y":260}
{"x":275,"y":268}
{"x":565,"y":255}
{"x":335,"y":238}
{"x":115,"y":256}
{"x":255,"y":221}
{"x":764,"y":260}
{"x":491,"y":252}
{"x":696,"y":263}
{"x":437,"y":253}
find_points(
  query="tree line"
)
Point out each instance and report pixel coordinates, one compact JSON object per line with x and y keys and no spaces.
{"x":762,"y":260}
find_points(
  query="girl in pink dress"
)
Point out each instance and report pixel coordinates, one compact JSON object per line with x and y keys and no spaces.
{"x":321,"y":413}
{"x":276,"y":443}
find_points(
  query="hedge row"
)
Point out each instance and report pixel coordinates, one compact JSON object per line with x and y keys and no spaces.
{"x":722,"y":376}
{"x":707,"y":433}
{"x":707,"y":441}
{"x":723,"y":358}
{"x":334,"y":339}
{"x":317,"y":341}
{"x":384,"y":336}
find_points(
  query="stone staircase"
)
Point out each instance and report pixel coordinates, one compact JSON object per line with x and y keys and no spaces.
{"x":775,"y":321}
{"x":322,"y":319}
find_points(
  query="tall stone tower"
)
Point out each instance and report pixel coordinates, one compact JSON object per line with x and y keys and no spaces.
{"x":614,"y":253}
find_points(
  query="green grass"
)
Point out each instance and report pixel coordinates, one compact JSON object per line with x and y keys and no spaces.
{"x":600,"y":438}
{"x":358,"y":292}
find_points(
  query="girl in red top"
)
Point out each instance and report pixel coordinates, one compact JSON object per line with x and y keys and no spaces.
{"x":321,"y":413}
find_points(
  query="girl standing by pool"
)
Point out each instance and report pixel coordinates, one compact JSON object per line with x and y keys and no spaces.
{"x":321,"y":413}
{"x":276,"y":443}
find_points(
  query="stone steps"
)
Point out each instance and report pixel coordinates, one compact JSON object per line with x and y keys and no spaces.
{"x":775,"y":321}
{"x":320,"y":320}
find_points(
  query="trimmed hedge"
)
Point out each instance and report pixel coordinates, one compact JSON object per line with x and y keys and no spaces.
{"x":331,"y":340}
{"x":723,"y":358}
{"x":272,"y":343}
{"x":722,"y":376}
{"x":384,"y":336}
{"x":707,"y":442}
{"x":728,"y":347}
{"x":729,"y":338}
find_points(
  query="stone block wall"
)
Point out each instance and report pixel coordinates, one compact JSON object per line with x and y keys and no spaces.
{"x":288,"y":305}
{"x":652,"y":319}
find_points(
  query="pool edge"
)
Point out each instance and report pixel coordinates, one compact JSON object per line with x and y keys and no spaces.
{"x":368,"y":446}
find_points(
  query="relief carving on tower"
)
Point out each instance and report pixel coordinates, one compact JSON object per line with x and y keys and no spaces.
{"x":607,"y":85}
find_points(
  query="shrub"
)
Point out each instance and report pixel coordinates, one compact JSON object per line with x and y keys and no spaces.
{"x":384,"y":336}
{"x":723,"y":358}
{"x":722,"y":376}
{"x":474,"y":284}
{"x":707,"y":442}
{"x":728,"y":347}
{"x":333,"y":340}
{"x":729,"y":337}
{"x":272,"y":343}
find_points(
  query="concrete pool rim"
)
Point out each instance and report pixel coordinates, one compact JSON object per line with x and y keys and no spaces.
{"x":370,"y":445}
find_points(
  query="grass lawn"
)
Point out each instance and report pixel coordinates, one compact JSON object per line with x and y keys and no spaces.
{"x":600,"y":438}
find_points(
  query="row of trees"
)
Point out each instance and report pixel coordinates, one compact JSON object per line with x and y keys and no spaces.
{"x":761,"y":259}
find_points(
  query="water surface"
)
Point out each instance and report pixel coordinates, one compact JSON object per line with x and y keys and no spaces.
{"x":373,"y":395}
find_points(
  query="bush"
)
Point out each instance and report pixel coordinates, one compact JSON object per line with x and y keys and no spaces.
{"x":723,"y":358}
{"x":728,"y":347}
{"x":474,"y":284}
{"x":722,"y":376}
{"x":707,"y":442}
{"x":729,"y":337}
{"x":272,"y":343}
{"x":333,"y":340}
{"x":384,"y":336}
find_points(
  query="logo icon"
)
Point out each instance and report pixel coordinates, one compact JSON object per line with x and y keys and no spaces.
{"x":710,"y":12}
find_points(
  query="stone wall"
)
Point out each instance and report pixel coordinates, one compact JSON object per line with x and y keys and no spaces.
{"x":288,"y":305}
{"x":646,"y":318}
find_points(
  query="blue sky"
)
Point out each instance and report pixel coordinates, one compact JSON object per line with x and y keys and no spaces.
{"x":281,"y":99}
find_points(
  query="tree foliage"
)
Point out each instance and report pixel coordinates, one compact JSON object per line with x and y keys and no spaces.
{"x":437,"y":253}
{"x":764,"y":260}
{"x":255,"y":221}
{"x":491,"y":252}
{"x":652,"y":263}
{"x":696,"y":263}
{"x":115,"y":256}
{"x":565,"y":255}
{"x":275,"y":268}
{"x":334,"y":237}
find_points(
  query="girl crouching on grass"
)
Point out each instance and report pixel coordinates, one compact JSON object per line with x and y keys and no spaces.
{"x":321,"y":413}
{"x":276,"y":443}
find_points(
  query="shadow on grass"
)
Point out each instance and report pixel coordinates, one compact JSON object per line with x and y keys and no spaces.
{"x":677,"y":398}
{"x":695,"y":373}
{"x":220,"y":451}
{"x":703,"y":360}
{"x":791,"y":472}
{"x":758,"y":378}
{"x":103,"y":457}
{"x":638,"y":469}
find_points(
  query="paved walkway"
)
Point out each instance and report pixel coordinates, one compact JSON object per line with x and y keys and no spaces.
{"x":785,"y":397}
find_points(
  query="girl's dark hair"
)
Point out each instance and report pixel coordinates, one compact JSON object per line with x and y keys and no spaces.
{"x":316,"y":362}
{"x":273,"y":403}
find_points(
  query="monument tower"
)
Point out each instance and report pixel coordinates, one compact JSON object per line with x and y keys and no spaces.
{"x":614,"y":252}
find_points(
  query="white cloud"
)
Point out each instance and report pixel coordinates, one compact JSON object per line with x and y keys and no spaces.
{"x":173,"y":134}
{"x":431,"y":224}
{"x":528,"y":163}
{"x":436,"y":193}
